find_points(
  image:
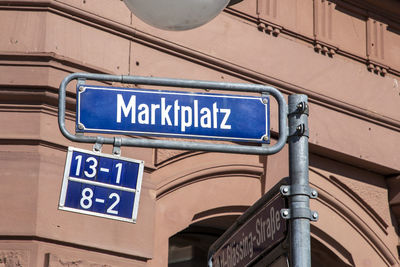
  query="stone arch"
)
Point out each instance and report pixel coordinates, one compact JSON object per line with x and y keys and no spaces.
{"x":198,"y":187}
{"x":202,"y":187}
{"x":326,"y":251}
{"x":347,"y":225}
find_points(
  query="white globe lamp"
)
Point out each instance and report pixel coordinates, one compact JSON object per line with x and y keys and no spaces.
{"x":176,"y":15}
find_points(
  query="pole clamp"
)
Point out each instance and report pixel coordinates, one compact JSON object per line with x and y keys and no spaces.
{"x":299,"y":213}
{"x":117,"y":146}
{"x":99,"y":144}
{"x":295,"y":190}
{"x":299,"y":130}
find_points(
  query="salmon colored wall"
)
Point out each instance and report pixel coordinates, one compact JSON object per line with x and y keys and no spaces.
{"x":343,"y":54}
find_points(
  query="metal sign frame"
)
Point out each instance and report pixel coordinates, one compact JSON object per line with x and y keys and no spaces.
{"x":293,"y":128}
{"x":170,"y":144}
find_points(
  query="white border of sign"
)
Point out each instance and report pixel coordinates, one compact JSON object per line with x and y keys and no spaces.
{"x":67,"y":178}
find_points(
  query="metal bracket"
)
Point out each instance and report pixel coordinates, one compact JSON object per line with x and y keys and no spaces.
{"x":296,"y":128}
{"x":99,"y":144}
{"x":293,"y":190}
{"x":117,"y":146}
{"x":299,"y":213}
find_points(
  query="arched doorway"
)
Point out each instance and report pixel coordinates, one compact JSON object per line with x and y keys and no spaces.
{"x":189,"y":247}
{"x":323,"y":256}
{"x":196,"y":198}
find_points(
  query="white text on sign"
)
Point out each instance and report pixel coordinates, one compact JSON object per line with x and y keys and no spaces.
{"x":174,"y":115}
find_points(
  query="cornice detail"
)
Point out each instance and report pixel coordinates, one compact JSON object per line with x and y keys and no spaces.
{"x":323,"y":11}
{"x":361,"y":6}
{"x":324,"y":48}
{"x":377,"y":68}
{"x":267,"y":8}
{"x":269,"y":27}
{"x":267,"y":14}
{"x":197,"y":57}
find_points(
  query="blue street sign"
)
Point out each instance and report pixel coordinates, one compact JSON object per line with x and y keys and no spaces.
{"x":172,"y":114}
{"x":101,"y":185}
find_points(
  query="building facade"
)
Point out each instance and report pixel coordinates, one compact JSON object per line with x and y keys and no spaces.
{"x":345,"y":55}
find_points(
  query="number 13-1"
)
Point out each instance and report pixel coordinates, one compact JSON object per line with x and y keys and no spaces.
{"x":93,"y":168}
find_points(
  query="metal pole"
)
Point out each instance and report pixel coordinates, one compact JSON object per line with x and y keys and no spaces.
{"x":299,"y":201}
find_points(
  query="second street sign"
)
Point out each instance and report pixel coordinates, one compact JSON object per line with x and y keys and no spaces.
{"x":172,"y":114}
{"x":265,"y":229}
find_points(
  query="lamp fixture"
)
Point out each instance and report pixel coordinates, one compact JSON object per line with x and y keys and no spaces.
{"x":176,"y":15}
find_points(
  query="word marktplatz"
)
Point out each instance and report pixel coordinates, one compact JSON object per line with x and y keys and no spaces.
{"x":173,"y":114}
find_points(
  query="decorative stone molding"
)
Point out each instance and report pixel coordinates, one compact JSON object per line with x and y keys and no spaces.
{"x":394,"y":196}
{"x":376,"y":46}
{"x":323,"y":11}
{"x":267,"y":11}
{"x":269,"y":28}
{"x":344,"y":211}
{"x":14,"y":258}
{"x":354,"y":193}
{"x":163,"y":156}
{"x":60,"y":62}
{"x":376,"y":39}
{"x":53,"y":260}
{"x":324,"y":48}
{"x":377,"y":68}
{"x":267,"y":8}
